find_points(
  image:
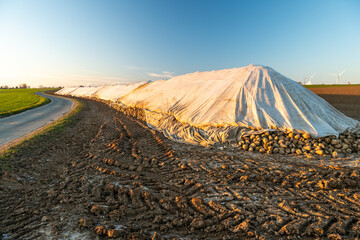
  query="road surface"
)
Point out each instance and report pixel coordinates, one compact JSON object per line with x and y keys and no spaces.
{"x":19,"y":125}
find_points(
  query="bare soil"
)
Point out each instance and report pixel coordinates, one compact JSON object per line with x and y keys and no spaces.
{"x":108,"y":175}
{"x":345,"y":99}
{"x":338,"y":90}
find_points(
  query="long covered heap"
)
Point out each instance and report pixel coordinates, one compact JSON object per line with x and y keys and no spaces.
{"x":255,"y":107}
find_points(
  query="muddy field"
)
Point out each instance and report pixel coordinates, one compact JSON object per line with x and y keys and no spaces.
{"x":110,"y":176}
{"x":345,"y":99}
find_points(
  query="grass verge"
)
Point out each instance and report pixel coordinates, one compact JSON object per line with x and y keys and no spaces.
{"x":46,"y":134}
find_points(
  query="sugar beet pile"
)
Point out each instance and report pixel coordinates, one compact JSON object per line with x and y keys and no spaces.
{"x":254,"y":108}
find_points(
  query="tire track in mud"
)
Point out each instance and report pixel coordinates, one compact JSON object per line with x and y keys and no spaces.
{"x":119,"y":179}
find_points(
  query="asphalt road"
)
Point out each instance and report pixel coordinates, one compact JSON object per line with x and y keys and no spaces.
{"x":19,"y":125}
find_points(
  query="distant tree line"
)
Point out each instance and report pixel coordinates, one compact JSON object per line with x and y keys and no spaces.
{"x":21,"y":86}
{"x":24,"y":86}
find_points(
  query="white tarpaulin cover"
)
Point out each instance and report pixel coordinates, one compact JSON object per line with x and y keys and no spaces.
{"x":66,"y":91}
{"x":214,"y":106}
{"x":84,"y":91}
{"x":254,"y":96}
{"x":112,"y":93}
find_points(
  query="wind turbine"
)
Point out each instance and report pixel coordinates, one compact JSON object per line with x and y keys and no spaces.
{"x":338,"y":76}
{"x":309,"y":82}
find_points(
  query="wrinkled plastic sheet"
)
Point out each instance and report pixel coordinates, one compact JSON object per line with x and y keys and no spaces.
{"x":251,"y":97}
{"x":220,"y":106}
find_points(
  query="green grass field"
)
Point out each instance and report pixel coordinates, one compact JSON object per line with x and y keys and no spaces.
{"x":18,"y":100}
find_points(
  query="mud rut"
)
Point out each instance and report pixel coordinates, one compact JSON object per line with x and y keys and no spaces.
{"x":109,"y":175}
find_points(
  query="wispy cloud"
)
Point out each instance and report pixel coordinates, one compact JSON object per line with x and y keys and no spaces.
{"x":163,"y":74}
{"x":76,"y":79}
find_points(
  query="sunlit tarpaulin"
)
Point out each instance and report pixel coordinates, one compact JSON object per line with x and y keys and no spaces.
{"x":215,"y":106}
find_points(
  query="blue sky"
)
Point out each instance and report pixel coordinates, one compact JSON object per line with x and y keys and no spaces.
{"x":66,"y":42}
